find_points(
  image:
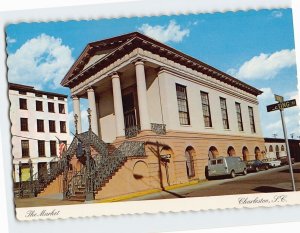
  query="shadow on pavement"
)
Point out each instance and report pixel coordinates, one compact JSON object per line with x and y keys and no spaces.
{"x":174,"y":194}
{"x":270,"y":189}
{"x":295,"y":170}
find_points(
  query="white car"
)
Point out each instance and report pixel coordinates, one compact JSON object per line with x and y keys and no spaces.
{"x":272,"y":162}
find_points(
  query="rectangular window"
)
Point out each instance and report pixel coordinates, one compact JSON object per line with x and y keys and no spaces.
{"x":251,"y":118}
{"x":63,"y":128}
{"x":25,"y":148}
{"x":224,"y":113}
{"x":206,"y":109}
{"x":183,"y":108}
{"x":239,"y":116}
{"x":53,"y":151}
{"x":52,"y":126}
{"x":41,"y":148}
{"x":61,"y":108}
{"x":38,"y":105}
{"x":24,"y":124}
{"x":50,"y":107}
{"x":23,"y":103}
{"x":40,"y":125}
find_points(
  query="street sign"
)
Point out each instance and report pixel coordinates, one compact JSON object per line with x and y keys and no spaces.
{"x":282,"y":105}
{"x":278,"y":98}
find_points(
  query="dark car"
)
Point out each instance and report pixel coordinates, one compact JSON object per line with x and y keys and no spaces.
{"x":284,"y":160}
{"x":256,"y":165}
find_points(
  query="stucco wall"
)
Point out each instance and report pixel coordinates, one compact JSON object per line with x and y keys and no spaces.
{"x":32,"y":135}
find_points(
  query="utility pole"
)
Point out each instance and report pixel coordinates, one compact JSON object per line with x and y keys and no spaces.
{"x":281,"y":105}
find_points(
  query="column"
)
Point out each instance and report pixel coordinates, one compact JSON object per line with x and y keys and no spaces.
{"x":142,"y":95}
{"x":76,"y":109}
{"x":118,"y":105}
{"x":92,"y":106}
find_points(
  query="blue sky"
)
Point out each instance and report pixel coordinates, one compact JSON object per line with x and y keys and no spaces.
{"x":254,"y":46}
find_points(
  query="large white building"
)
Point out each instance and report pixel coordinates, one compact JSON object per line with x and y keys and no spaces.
{"x":182,"y":110}
{"x":39,"y":120}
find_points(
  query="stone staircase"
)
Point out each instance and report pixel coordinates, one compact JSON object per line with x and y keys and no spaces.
{"x":104,"y":168}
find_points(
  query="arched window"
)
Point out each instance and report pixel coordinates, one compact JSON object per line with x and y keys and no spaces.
{"x":282,"y":148}
{"x":277,"y":151}
{"x":271,"y":148}
{"x":257,"y":153}
{"x":230,"y":151}
{"x":213,"y":152}
{"x":190,"y":170}
{"x":245,"y":153}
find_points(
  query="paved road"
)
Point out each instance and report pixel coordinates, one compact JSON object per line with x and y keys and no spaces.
{"x":273,"y":180}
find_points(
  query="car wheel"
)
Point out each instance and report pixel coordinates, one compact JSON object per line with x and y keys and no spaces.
{"x":245,"y":172}
{"x":232,"y":174}
{"x":267,"y":167}
{"x":257,"y":169}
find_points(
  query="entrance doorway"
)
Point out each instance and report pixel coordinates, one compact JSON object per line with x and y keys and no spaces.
{"x":129,"y":109}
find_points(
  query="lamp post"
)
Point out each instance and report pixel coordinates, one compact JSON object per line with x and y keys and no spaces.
{"x":76,"y":123}
{"x":89,"y":187}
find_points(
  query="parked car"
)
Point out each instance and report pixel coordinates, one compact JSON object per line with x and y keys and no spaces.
{"x":224,"y":166}
{"x":256,"y":165}
{"x":272,"y":162}
{"x":284,"y":160}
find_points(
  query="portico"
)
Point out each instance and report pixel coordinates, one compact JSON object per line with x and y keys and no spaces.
{"x":122,"y":95}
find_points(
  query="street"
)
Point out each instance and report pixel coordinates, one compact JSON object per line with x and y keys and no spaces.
{"x":273,"y":180}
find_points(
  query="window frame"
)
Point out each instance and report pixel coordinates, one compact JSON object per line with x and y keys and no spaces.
{"x":182,"y":102}
{"x":64,"y":128}
{"x":50,"y":108}
{"x":53,"y":147}
{"x":41,"y":148}
{"x":25,"y":148}
{"x":238,"y":110}
{"x":225,"y":121}
{"x":251,"y":119}
{"x":205,"y":94}
{"x":50,"y":128}
{"x":63,"y":110}
{"x":38,"y":125}
{"x":24,"y":124}
{"x":23,"y":104}
{"x":41,"y":109}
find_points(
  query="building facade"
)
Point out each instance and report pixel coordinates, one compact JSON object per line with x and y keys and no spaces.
{"x":39,"y":120}
{"x":275,"y":148}
{"x":185,"y":111}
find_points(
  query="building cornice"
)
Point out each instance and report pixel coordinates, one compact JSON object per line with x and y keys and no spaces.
{"x":128,"y":43}
{"x":20,"y":87}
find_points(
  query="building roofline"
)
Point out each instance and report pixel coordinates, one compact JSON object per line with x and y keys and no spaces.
{"x":282,"y":140}
{"x":21,"y":87}
{"x":161,"y":48}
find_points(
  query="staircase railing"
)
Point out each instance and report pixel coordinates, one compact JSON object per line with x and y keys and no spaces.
{"x":40,"y":180}
{"x":106,"y":166}
{"x":98,"y":144}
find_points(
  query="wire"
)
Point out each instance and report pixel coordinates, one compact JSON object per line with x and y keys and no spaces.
{"x":36,"y":139}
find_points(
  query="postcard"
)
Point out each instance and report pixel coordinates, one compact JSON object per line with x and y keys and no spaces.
{"x":149,"y":114}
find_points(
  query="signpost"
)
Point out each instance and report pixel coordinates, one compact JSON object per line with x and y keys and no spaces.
{"x":281,"y":105}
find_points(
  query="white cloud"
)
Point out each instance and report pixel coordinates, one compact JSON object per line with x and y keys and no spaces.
{"x":10,"y":40}
{"x":277,"y":14}
{"x":265,"y":66}
{"x":271,"y":121}
{"x":40,"y":61}
{"x":166,"y":33}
